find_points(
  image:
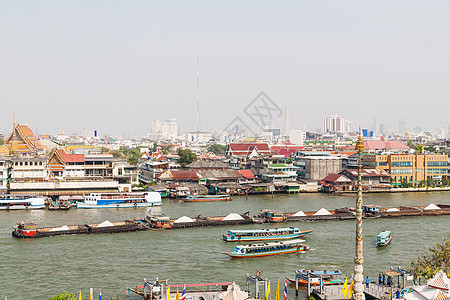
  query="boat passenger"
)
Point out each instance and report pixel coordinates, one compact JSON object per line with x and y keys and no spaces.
{"x":389,"y":281}
{"x":367,"y":281}
{"x":383,"y":279}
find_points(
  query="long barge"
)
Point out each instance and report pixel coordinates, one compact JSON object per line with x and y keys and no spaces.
{"x":30,"y":230}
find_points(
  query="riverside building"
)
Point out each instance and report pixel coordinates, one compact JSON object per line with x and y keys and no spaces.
{"x":412,"y":168}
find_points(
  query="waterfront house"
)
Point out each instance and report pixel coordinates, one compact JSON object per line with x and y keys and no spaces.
{"x":64,"y":165}
{"x":372,"y":179}
{"x":179,"y":177}
{"x":336,"y":183}
{"x":30,"y":167}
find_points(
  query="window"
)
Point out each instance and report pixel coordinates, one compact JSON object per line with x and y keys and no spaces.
{"x":402,"y":171}
{"x":437,"y":171}
{"x":402,"y":164}
{"x":436,"y":163}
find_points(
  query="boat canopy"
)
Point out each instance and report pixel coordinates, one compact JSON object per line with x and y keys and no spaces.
{"x":271,"y":230}
{"x":265,"y":245}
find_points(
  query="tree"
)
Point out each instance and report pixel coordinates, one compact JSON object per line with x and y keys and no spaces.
{"x":438,"y":258}
{"x":419,"y":149}
{"x":154,"y":147}
{"x":217,"y":149}
{"x":186,"y":156}
{"x":166,"y":149}
{"x":64,"y":296}
{"x":429,"y":149}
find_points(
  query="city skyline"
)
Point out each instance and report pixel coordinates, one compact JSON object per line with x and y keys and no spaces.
{"x":69,"y":68}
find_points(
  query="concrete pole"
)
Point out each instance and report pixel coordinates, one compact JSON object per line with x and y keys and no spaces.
{"x":358,"y":287}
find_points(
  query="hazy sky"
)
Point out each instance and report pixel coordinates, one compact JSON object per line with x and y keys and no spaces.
{"x":62,"y":62}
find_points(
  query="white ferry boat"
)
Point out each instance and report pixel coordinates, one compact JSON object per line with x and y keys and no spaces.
{"x":264,"y":234}
{"x":10,"y":202}
{"x":120,"y":200}
{"x":266,"y":249}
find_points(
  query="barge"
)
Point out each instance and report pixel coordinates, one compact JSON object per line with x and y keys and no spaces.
{"x":30,"y":230}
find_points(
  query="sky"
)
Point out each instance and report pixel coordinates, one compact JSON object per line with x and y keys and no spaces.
{"x":115,"y":66}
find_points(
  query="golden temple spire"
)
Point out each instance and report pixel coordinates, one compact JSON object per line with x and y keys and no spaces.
{"x":359,"y":144}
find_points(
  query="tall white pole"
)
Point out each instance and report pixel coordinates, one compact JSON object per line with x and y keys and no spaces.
{"x":358,"y":287}
{"x":198,"y":97}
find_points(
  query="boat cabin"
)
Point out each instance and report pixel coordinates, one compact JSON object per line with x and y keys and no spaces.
{"x":371,"y":208}
{"x":272,"y":215}
{"x":263,"y":232}
{"x":159,"y":221}
{"x":383,"y":238}
{"x":27,"y":229}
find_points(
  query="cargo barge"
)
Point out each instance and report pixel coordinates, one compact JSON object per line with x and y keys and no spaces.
{"x":30,"y":230}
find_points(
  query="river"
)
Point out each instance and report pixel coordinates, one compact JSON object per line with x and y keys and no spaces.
{"x":40,"y":268}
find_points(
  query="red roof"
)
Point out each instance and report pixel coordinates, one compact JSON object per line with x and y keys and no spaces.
{"x":287,"y":152}
{"x":247,"y":174}
{"x":245,"y":149}
{"x":375,"y":145}
{"x":70,"y":157}
{"x":333,"y":177}
{"x":185,"y":175}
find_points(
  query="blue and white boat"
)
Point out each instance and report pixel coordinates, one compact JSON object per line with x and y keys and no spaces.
{"x":120,"y":200}
{"x":267,"y":249}
{"x":13,"y":202}
{"x":264,"y":234}
{"x":383,"y":238}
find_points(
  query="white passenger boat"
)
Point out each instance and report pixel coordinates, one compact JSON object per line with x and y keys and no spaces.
{"x":264,"y":234}
{"x":10,"y":202}
{"x":266,"y":249}
{"x":120,"y":200}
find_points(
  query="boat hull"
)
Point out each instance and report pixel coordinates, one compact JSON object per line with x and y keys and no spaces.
{"x":228,"y":238}
{"x":382,"y":244}
{"x":118,"y":205}
{"x":21,"y":207}
{"x":300,"y":249}
{"x":207,"y":199}
{"x":325,"y":282}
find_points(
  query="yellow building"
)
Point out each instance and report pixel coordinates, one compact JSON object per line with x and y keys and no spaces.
{"x":412,"y":168}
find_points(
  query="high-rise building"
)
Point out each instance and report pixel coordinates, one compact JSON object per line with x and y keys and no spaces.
{"x":169,"y":129}
{"x":337,"y":124}
{"x":402,"y":126}
{"x":297,"y":137}
{"x":156,"y":126}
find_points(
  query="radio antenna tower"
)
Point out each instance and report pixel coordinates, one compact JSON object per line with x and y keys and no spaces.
{"x":198,"y":97}
{"x":287,"y":127}
{"x":123,"y":105}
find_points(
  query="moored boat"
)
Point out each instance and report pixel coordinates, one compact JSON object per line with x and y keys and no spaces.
{"x":267,"y":249}
{"x":120,"y":200}
{"x":383,"y":238}
{"x":13,"y":202}
{"x":264,"y":234}
{"x":328,"y":277}
{"x":207,"y":198}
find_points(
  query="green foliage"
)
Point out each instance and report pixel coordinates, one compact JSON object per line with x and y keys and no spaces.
{"x":166,"y":149}
{"x":430,"y":149}
{"x":426,"y":266}
{"x":419,"y":149}
{"x":409,"y":143}
{"x":116,"y":154}
{"x":186,"y":156}
{"x":217,"y":149}
{"x":132,"y":155}
{"x":2,"y":142}
{"x":154,"y":147}
{"x":64,"y":296}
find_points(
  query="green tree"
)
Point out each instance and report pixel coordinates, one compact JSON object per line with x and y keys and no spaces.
{"x":419,"y":149}
{"x":64,"y":296}
{"x":429,"y":149}
{"x":217,"y":149}
{"x":154,"y":147}
{"x":166,"y":149}
{"x":437,"y":258}
{"x":2,"y":142}
{"x":409,"y":143}
{"x":186,"y":156}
